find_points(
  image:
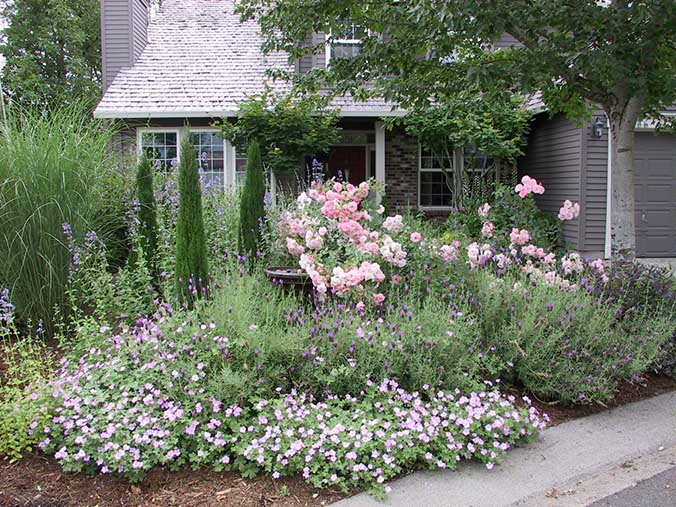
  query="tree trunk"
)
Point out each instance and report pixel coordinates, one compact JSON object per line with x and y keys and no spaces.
{"x":622,"y":204}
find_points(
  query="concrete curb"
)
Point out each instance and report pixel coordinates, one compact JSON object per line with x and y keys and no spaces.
{"x":567,"y":454}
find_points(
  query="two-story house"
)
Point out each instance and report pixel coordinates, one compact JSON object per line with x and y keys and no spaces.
{"x":194,"y":62}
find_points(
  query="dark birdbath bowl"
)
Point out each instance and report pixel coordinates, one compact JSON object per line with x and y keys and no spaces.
{"x":291,"y":278}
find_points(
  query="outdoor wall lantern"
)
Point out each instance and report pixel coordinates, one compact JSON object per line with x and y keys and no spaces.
{"x":598,"y":127}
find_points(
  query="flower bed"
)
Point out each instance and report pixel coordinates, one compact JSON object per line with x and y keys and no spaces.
{"x":398,"y":371}
{"x":134,"y":403}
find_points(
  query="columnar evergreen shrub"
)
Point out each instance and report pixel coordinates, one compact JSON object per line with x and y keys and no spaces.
{"x":251,"y":206}
{"x":191,"y":246}
{"x":147,"y":212}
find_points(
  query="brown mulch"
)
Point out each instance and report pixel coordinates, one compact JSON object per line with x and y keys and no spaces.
{"x":651,"y":385}
{"x":38,"y":480}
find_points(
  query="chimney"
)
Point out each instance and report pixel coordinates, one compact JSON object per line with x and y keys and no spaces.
{"x":124,"y":32}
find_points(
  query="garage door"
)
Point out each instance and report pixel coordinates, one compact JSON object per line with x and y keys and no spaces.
{"x":655,"y":184}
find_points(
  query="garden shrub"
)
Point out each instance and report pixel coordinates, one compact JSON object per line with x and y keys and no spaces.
{"x":508,"y":211}
{"x":566,"y":345}
{"x":643,"y":290}
{"x":252,"y":214}
{"x":147,"y":214}
{"x":55,"y":168}
{"x":191,"y":248}
{"x":343,"y":388}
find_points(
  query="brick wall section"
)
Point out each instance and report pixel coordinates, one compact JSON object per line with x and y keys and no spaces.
{"x":401,"y":170}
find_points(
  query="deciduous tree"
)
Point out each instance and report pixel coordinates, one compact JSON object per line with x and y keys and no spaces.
{"x":52,"y":50}
{"x":619,"y":55}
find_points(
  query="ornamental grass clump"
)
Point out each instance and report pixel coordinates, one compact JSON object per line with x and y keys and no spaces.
{"x":55,"y":168}
{"x":191,"y":248}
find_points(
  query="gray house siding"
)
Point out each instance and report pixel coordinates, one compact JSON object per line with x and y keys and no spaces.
{"x":594,"y":192}
{"x":506,"y":41}
{"x":554,"y":157}
{"x":305,"y":63}
{"x":140,"y":15}
{"x":123,"y":35}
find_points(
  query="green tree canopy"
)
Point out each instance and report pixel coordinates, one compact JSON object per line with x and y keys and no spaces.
{"x":619,"y":55}
{"x":52,"y":50}
{"x":287,"y":128}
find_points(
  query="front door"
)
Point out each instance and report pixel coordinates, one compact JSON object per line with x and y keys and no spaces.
{"x":655,"y":187}
{"x":347,"y":163}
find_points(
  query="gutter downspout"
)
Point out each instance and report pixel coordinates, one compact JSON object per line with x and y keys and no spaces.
{"x":609,"y":182}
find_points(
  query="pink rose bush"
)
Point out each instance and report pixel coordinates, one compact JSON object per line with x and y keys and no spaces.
{"x":537,"y":263}
{"x":341,"y":239}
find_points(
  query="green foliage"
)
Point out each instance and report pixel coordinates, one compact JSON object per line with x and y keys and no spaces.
{"x":566,"y":345}
{"x":28,"y":364}
{"x":53,"y":51}
{"x":496,"y":129}
{"x":191,"y":248}
{"x":569,"y":55}
{"x":432,"y":53}
{"x":252,"y":213}
{"x":147,"y":213}
{"x":508,"y":210}
{"x":286,"y":128}
{"x":55,"y":168}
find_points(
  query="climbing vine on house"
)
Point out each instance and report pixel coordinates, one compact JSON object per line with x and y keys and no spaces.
{"x":286,"y":127}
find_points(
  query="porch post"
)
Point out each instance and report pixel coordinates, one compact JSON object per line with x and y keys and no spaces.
{"x":380,"y":153}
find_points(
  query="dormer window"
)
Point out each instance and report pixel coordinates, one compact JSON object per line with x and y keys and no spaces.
{"x":346,"y":44}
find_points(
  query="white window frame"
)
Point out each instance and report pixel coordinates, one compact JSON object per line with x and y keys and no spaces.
{"x":457,"y":159}
{"x":157,"y":130}
{"x":181,"y":134}
{"x":226,"y":150}
{"x":347,"y":42}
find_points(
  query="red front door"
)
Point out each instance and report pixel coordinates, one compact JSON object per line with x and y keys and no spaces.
{"x":349,"y":161}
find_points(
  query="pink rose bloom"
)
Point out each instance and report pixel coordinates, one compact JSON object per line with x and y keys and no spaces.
{"x":527,"y":186}
{"x":293,"y":247}
{"x":569,"y":211}
{"x":393,"y":224}
{"x":337,"y":187}
{"x":364,"y":186}
{"x":360,"y":306}
{"x":378,"y":298}
{"x":519,"y":237}
{"x":396,"y":279}
{"x":352,"y":206}
{"x":487,"y":229}
{"x":483,"y":210}
{"x":416,"y":237}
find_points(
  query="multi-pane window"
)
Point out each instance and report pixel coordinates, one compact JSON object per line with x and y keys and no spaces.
{"x":347,"y":43}
{"x":211,"y":155}
{"x":240,"y":168}
{"x":162,"y":147}
{"x":434,"y":189}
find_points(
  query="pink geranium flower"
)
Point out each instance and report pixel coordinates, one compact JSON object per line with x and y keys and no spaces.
{"x":416,"y":237}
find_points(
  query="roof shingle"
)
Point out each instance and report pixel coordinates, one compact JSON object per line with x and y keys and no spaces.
{"x":200,"y":60}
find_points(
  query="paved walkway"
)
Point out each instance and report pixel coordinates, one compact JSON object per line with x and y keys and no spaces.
{"x":574,"y":464}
